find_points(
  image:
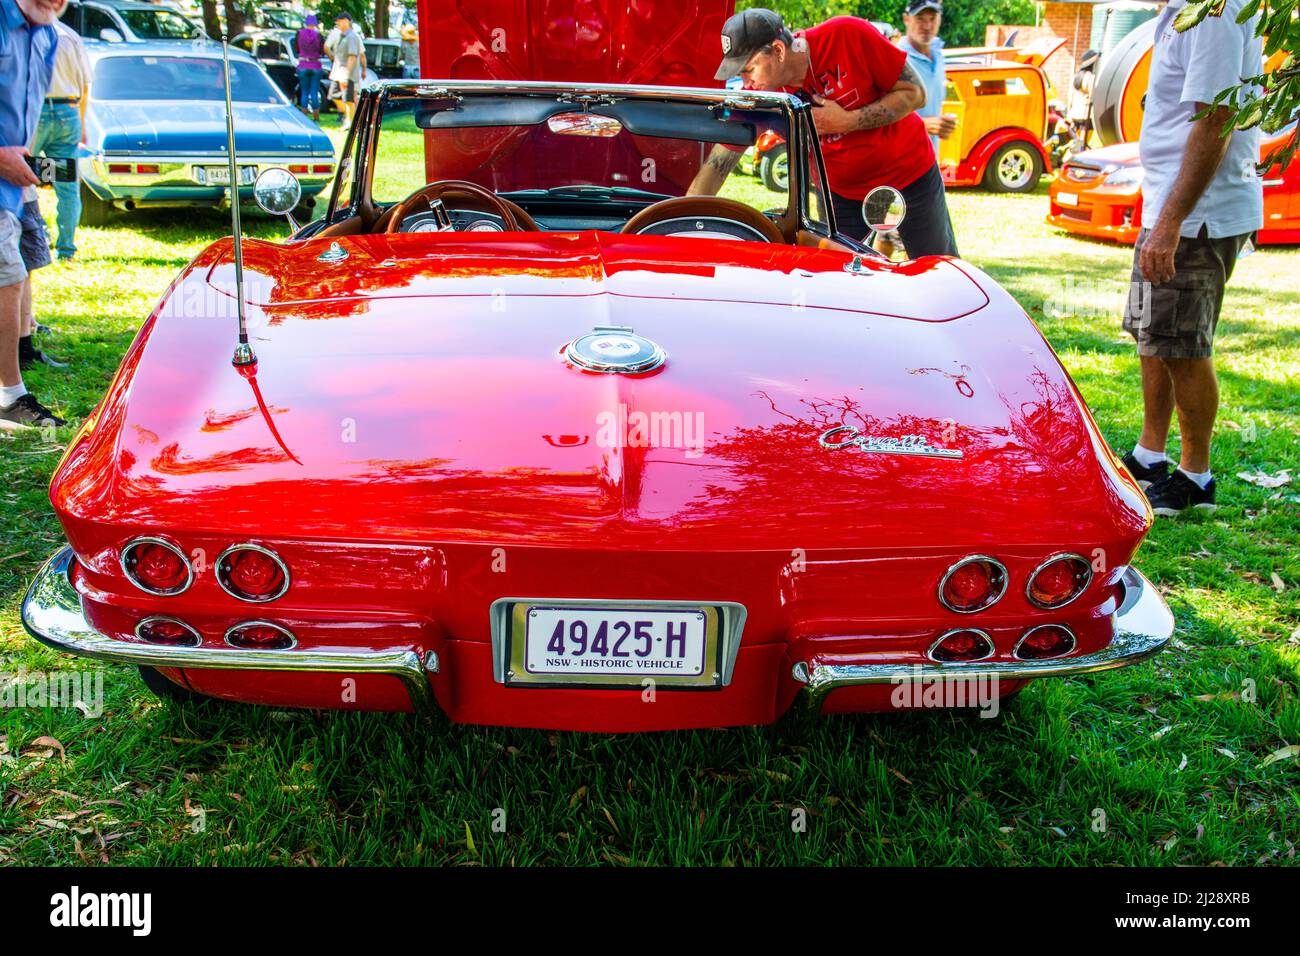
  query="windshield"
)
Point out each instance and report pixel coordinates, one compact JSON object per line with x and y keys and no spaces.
{"x":180,"y":78}
{"x":634,"y":148}
{"x":284,"y":19}
{"x":159,"y":25}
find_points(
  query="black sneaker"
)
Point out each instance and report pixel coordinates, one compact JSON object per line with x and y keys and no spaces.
{"x":30,"y":360}
{"x":1146,"y":475}
{"x":42,"y":329}
{"x":27,"y":412}
{"x":1177,"y":493}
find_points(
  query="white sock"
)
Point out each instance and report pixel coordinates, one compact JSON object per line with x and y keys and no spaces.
{"x":1202,"y":478}
{"x":1146,"y":457}
{"x":11,"y":393}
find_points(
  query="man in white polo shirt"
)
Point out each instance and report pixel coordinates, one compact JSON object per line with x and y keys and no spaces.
{"x":1202,"y":199}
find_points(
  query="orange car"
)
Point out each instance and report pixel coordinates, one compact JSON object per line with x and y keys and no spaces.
{"x":1099,"y":193}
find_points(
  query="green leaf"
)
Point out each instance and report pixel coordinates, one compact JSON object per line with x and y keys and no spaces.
{"x":1248,"y":11}
{"x":1191,"y":15}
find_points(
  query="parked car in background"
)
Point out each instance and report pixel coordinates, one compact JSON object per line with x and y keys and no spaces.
{"x":999,"y":96}
{"x":113,"y":21}
{"x":157,"y":116}
{"x":384,"y":57}
{"x":1098,"y":193}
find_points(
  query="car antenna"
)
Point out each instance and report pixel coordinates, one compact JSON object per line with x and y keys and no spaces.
{"x":244,"y":355}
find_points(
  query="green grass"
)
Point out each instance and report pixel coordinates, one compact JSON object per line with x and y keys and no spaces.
{"x":1172,"y":752}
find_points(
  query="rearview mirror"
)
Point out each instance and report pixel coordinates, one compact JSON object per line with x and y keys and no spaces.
{"x":584,"y":124}
{"x":109,"y":35}
{"x":883,"y":209}
{"x":278,"y":192}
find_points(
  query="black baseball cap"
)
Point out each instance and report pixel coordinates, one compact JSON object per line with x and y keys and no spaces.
{"x":916,"y":6}
{"x":745,"y":34}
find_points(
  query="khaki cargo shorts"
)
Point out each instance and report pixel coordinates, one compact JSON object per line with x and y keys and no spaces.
{"x":1178,"y":319}
{"x":12,"y":268}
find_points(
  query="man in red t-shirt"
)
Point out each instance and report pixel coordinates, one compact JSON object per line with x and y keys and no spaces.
{"x":865,"y":96}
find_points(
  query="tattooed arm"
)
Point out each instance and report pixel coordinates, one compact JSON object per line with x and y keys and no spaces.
{"x":906,"y":96}
{"x":714,"y":172}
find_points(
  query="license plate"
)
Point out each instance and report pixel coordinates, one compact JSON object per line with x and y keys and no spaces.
{"x":620,"y":644}
{"x":220,"y":175}
{"x":1067,"y":199}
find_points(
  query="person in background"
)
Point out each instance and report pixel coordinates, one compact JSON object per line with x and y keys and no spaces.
{"x":311,"y":48}
{"x":924,"y":49}
{"x":61,"y":129}
{"x":349,"y":58}
{"x":34,"y":247}
{"x":28,"y":46}
{"x":1202,"y":198}
{"x":410,"y":53}
{"x":865,"y":95}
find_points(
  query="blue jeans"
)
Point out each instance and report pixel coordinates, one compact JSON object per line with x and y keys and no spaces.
{"x":58,"y":134}
{"x":309,"y":88}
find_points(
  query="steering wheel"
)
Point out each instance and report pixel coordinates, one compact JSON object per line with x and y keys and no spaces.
{"x":705,"y":207}
{"x":431,"y":197}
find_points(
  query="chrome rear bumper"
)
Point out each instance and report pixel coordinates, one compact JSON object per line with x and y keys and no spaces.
{"x":53,"y":615}
{"x":1143,"y":626}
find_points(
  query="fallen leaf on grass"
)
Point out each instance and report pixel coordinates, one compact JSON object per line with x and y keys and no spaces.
{"x":1264,"y":480}
{"x":1162,"y":731}
{"x":1226,"y":695}
{"x":1286,"y":753}
{"x":1278,"y":584}
{"x":900,"y":777}
{"x":45,"y":742}
{"x":1226,"y":752}
{"x":611,"y":821}
{"x":1182,"y":764}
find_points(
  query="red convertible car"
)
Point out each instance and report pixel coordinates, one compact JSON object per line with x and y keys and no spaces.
{"x":534,"y":437}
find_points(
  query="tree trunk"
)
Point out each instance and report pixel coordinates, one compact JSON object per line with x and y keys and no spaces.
{"x":381,"y":20}
{"x":234,"y":19}
{"x":211,"y":22}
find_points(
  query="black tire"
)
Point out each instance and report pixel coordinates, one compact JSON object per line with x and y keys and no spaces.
{"x":774,"y":168}
{"x":94,"y":211}
{"x":166,"y":690}
{"x":1015,"y":168}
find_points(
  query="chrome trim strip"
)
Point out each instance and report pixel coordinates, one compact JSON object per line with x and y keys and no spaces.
{"x":249,"y":546}
{"x":171,"y":620}
{"x":1029,"y":582}
{"x":1006,"y":581}
{"x":730,"y":628}
{"x":52,"y":614}
{"x":293,"y":641}
{"x":721,"y":96}
{"x":170,"y":546}
{"x":1143,"y":626}
{"x":1074,"y":642}
{"x":988,"y":642}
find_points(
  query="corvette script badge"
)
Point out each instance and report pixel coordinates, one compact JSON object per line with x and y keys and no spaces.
{"x":849,"y":436}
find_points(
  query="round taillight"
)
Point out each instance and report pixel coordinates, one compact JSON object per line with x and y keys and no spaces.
{"x":156,"y":566}
{"x":168,"y":631}
{"x":1045,"y":641}
{"x":252,"y":573}
{"x":963,"y":644}
{"x":973,"y":584}
{"x":260,"y":636}
{"x":1058,"y":581}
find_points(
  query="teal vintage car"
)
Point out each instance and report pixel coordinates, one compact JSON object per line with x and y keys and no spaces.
{"x":156,"y":123}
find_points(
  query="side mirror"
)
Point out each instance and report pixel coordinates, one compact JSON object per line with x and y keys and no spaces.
{"x":278,"y":192}
{"x":109,"y":35}
{"x":883,"y":209}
